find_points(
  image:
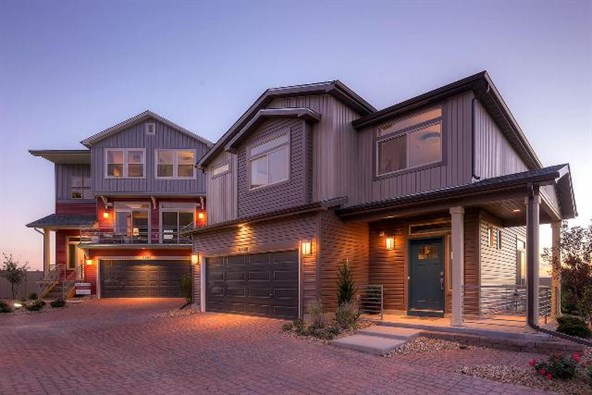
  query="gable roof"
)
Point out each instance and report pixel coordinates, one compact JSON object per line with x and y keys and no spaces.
{"x":486,"y":92}
{"x":334,"y":88}
{"x":90,"y":141}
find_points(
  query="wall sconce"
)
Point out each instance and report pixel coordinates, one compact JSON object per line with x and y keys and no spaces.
{"x":201,"y":216}
{"x":390,"y":243}
{"x":106,"y":214}
{"x":195,"y":259}
{"x":89,"y":261}
{"x":306,"y":247}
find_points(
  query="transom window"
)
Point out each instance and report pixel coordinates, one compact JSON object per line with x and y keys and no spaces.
{"x":269,"y":162}
{"x":410,"y":142}
{"x":80,"y":187}
{"x":172,"y":163}
{"x":125,"y":163}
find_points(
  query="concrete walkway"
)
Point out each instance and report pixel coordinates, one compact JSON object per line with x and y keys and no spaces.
{"x":377,"y":340}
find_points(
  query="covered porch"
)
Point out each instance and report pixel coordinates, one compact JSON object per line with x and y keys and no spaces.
{"x":468,"y":256}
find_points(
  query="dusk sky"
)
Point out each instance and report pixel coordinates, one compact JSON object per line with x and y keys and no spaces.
{"x":70,"y":69}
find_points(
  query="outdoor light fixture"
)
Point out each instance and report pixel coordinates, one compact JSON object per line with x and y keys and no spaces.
{"x":516,"y":210}
{"x":89,"y":261}
{"x":106,"y":214}
{"x":195,"y":259}
{"x":390,"y":243}
{"x":201,"y":215}
{"x":306,"y":247}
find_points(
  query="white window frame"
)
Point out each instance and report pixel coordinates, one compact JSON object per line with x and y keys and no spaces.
{"x":266,"y":155}
{"x":125,"y":163}
{"x":174,"y":207}
{"x":380,"y":139}
{"x":175,"y":164}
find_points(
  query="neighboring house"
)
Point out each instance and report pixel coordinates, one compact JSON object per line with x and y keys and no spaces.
{"x":120,"y":207}
{"x":428,"y":198}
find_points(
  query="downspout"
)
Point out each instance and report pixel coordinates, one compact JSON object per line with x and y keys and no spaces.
{"x":474,"y":176}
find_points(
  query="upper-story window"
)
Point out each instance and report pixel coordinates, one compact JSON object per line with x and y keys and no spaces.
{"x":410,"y":142}
{"x":125,"y":163}
{"x":269,"y":162}
{"x":171,"y":163}
{"x":80,"y":188}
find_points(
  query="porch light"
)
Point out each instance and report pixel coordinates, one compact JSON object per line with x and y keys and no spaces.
{"x":89,"y":261}
{"x":390,"y":243}
{"x":106,"y":214}
{"x":306,"y":247}
{"x":195,"y":259}
{"x":201,"y":216}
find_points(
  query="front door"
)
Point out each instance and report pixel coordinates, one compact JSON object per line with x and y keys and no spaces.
{"x":426,"y":277}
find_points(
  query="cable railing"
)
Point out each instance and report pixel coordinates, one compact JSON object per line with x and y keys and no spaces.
{"x":371,"y":301}
{"x":154,"y":235}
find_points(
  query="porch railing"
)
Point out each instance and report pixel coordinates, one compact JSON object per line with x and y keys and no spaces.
{"x":51,"y":279}
{"x":69,"y":283}
{"x":154,"y":235}
{"x":371,"y":301}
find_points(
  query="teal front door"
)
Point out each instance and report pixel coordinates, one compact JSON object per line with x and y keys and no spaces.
{"x":426,"y":277}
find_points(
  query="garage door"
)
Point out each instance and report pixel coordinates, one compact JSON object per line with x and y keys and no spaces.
{"x":139,"y":279}
{"x":260,"y":284}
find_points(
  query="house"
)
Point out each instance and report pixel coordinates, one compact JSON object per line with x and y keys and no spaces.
{"x":120,"y":206}
{"x":436,"y":201}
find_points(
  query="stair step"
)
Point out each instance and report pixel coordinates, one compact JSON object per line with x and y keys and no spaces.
{"x":391,"y":332}
{"x":369,"y":344}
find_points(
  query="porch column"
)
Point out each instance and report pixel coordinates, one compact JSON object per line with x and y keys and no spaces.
{"x":533,"y":202}
{"x":556,"y":270}
{"x":46,"y":250}
{"x":458,"y":264}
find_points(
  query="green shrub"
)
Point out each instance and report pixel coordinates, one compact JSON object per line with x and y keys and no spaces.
{"x":35,"y":305}
{"x":573,"y":326}
{"x":346,"y":286}
{"x":299,"y":327}
{"x":347,"y":315}
{"x":33,"y":296}
{"x":288,"y":327}
{"x":187,"y":288}
{"x":58,"y":303}
{"x":316,"y":314}
{"x":5,"y":307}
{"x":558,"y":366}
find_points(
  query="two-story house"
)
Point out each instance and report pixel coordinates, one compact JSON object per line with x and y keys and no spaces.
{"x":437,"y":200}
{"x":120,"y":207}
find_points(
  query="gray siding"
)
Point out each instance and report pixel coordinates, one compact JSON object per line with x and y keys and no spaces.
{"x":283,"y":194}
{"x":63,"y":178}
{"x":494,"y":155}
{"x":222,"y":190}
{"x":135,"y":137}
{"x":455,"y":169}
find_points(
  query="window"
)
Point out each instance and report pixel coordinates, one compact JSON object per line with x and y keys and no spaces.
{"x":410,"y":142}
{"x":269,"y":162}
{"x":175,"y":163}
{"x":494,"y":237}
{"x":132,"y":222}
{"x":520,"y":262}
{"x":125,"y":163}
{"x":75,"y":254}
{"x":433,"y":227}
{"x":150,"y":128}
{"x":221,"y":169}
{"x":80,"y":188}
{"x":176,"y":217}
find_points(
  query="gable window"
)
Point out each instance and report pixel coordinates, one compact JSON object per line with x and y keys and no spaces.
{"x":269,"y":162}
{"x":411,"y":142}
{"x":175,"y":163}
{"x":125,"y":163}
{"x":80,"y":188}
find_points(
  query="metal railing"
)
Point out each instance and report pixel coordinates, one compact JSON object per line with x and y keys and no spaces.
{"x":154,"y":235}
{"x":69,"y":283}
{"x":371,"y":301}
{"x":51,"y":279}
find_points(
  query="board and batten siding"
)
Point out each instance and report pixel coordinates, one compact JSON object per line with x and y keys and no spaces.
{"x":63,"y":179}
{"x":454,"y":170}
{"x":135,"y":137}
{"x":222,"y":189}
{"x":284,"y":194}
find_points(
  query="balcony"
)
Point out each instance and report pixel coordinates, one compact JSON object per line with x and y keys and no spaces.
{"x":136,"y":236}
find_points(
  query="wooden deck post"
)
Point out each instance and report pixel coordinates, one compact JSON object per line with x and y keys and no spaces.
{"x":556,"y":270}
{"x":458,"y":255}
{"x":533,"y":202}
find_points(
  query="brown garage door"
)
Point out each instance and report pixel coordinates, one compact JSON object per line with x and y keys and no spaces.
{"x":142,"y":279}
{"x":260,"y":284}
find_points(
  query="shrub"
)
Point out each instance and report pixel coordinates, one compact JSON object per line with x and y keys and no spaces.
{"x":346,"y":286}
{"x":299,"y":327}
{"x":58,"y":303}
{"x":5,"y":307}
{"x":35,"y":305}
{"x":558,"y":366}
{"x":288,"y":327}
{"x":187,"y":288}
{"x":573,"y":326}
{"x":347,"y":315}
{"x":317,"y":314}
{"x":33,"y":296}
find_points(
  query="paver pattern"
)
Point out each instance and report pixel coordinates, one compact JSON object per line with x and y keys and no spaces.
{"x":118,"y":346}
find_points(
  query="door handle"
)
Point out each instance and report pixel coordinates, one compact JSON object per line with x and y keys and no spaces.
{"x":441,"y":281}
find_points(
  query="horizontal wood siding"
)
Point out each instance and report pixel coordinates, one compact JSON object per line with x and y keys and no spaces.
{"x":455,"y":169}
{"x":472,"y":273}
{"x":281,"y":195}
{"x":340,"y":242}
{"x":135,"y":137}
{"x":74,"y":207}
{"x":222,"y":190}
{"x":63,"y":179}
{"x":494,"y":156}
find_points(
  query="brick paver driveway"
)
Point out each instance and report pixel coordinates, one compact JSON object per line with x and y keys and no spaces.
{"x":118,"y":346}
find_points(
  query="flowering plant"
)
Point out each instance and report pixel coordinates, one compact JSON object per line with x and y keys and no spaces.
{"x":558,"y":366}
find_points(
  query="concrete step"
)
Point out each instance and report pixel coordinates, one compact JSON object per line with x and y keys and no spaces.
{"x":391,"y":332}
{"x":369,"y":344}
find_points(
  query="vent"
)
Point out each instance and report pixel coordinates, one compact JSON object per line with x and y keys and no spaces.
{"x":150,"y":128}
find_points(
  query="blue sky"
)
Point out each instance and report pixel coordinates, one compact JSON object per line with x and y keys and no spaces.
{"x":69,"y":69}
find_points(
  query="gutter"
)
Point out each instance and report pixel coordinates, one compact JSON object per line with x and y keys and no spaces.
{"x":474,"y":144}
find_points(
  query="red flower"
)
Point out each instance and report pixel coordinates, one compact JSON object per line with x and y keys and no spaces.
{"x":532,"y":362}
{"x":549,"y":376}
{"x":576,"y":357}
{"x":543,"y":372}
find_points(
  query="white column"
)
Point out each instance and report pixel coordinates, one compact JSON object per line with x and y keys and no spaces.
{"x":556,"y":270}
{"x":458,"y":264}
{"x":46,"y":250}
{"x":533,"y":202}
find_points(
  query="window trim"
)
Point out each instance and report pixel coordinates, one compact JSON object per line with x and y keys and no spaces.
{"x":81,"y":188}
{"x":266,"y":154}
{"x":175,"y":207}
{"x":378,"y":139}
{"x":219,"y":166}
{"x":125,"y":163}
{"x":175,"y":175}
{"x":130,"y":210}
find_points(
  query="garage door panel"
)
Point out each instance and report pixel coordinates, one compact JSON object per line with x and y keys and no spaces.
{"x":261,"y":309}
{"x":285,"y":312}
{"x":285,"y":293}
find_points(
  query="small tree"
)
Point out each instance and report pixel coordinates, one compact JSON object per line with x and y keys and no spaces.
{"x":13,"y":272}
{"x":346,"y":286}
